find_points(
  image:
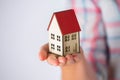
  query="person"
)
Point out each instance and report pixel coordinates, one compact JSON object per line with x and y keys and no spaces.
{"x":100,"y":50}
{"x":100,"y":20}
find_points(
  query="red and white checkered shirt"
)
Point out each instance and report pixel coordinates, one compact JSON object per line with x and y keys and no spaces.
{"x":100,"y":35}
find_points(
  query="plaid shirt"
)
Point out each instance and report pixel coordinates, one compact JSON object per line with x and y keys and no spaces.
{"x":100,"y":35}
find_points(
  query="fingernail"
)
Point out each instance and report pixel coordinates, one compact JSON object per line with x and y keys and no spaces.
{"x":61,"y":61}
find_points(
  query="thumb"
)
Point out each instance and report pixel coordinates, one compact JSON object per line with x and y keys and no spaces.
{"x":43,"y":53}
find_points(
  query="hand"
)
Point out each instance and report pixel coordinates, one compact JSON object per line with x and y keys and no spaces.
{"x":59,"y":61}
{"x":73,"y":66}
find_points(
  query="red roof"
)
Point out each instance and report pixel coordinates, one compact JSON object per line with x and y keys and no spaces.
{"x":67,"y":21}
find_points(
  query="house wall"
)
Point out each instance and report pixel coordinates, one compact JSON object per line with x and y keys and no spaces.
{"x":74,"y":44}
{"x":54,"y":29}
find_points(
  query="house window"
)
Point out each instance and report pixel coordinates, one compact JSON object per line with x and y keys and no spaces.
{"x":58,"y":38}
{"x":73,"y":36}
{"x":52,"y":36}
{"x":67,"y":49}
{"x":58,"y":48}
{"x":52,"y":46}
{"x":67,"y":38}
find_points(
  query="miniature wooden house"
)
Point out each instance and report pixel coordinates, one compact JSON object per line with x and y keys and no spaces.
{"x":64,"y":33}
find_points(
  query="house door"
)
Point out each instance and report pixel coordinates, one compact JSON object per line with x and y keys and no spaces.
{"x":75,"y":48}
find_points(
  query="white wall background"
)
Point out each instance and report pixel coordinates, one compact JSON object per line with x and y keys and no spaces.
{"x":23,"y":29}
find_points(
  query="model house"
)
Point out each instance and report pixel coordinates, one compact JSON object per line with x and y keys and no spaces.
{"x":64,"y":33}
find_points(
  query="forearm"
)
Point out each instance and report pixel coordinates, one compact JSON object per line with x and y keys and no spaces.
{"x":78,"y":71}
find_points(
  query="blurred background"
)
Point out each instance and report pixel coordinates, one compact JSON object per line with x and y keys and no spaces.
{"x":23,"y":29}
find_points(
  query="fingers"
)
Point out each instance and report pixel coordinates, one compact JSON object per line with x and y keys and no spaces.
{"x":70,"y":59}
{"x":77,"y":57}
{"x":43,"y":54}
{"x":52,"y":59}
{"x":62,"y":61}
